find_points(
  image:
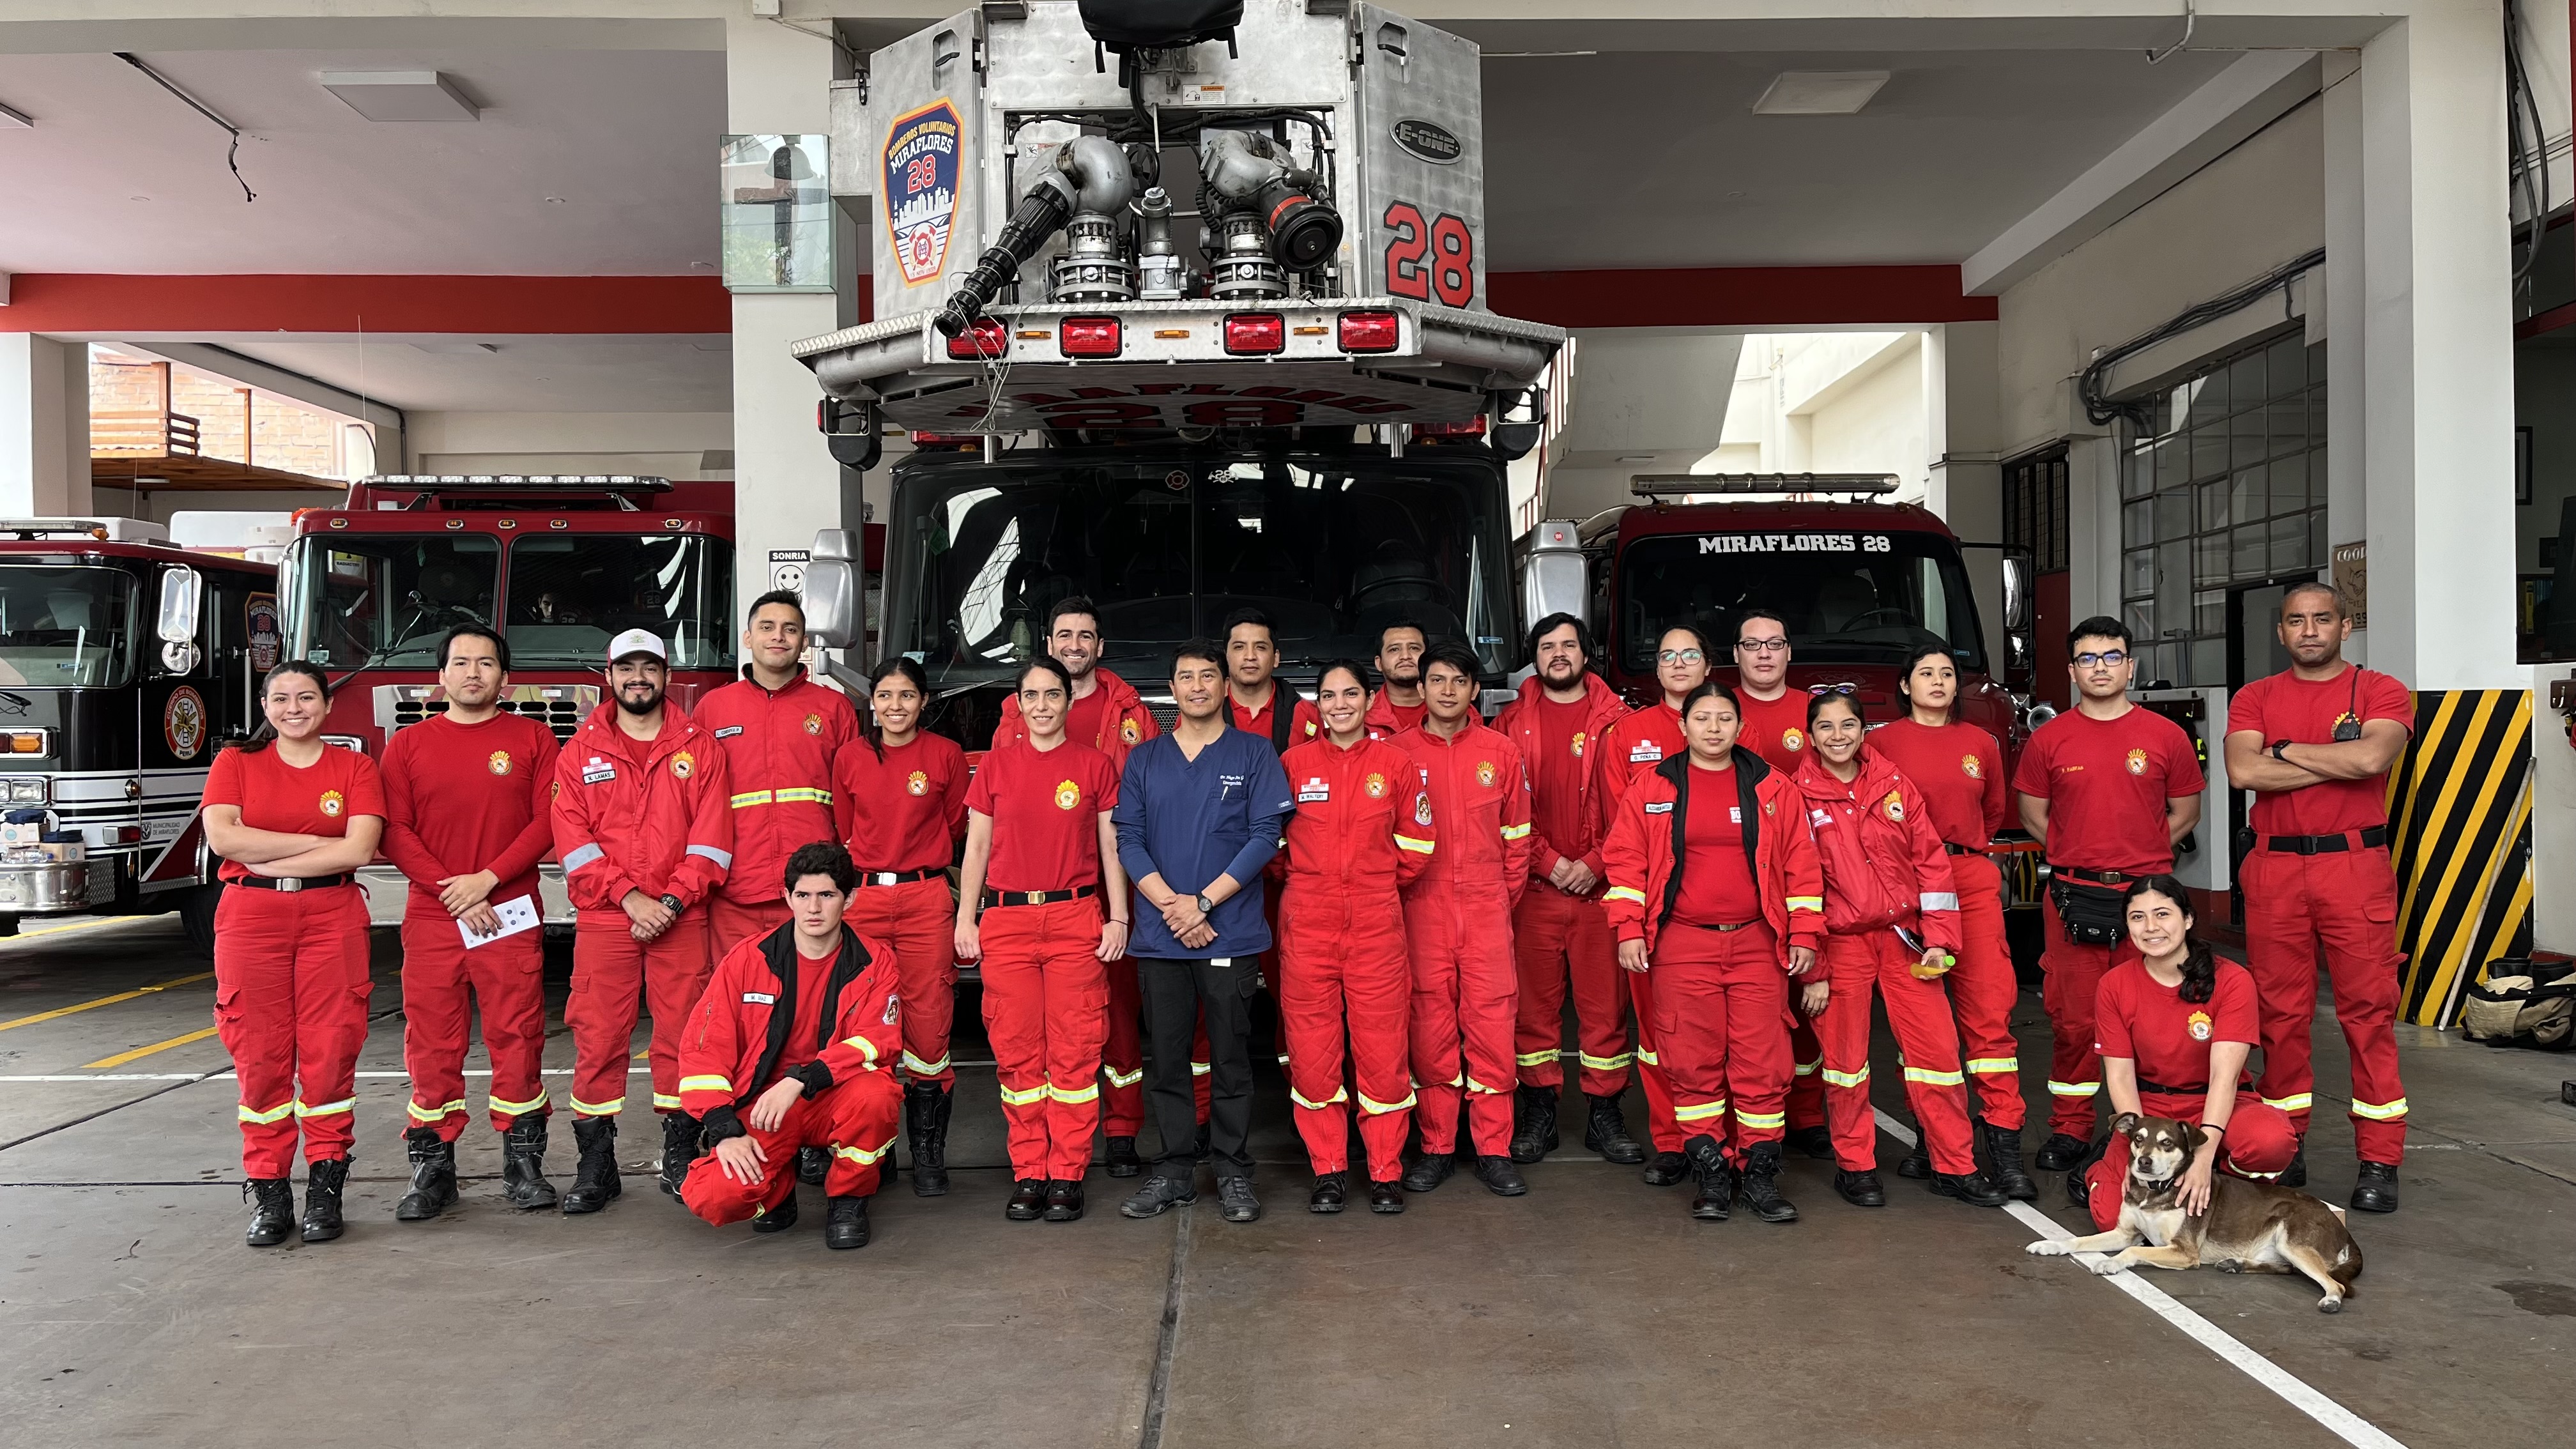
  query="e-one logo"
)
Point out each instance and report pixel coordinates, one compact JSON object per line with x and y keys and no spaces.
{"x":1795,"y":543}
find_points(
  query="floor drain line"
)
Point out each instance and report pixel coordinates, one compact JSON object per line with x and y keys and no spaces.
{"x":1168,"y":1341}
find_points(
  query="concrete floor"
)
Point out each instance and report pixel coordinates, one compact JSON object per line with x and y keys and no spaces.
{"x":1591,"y":1312}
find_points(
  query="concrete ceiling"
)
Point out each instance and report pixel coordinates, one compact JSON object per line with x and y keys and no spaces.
{"x":586,"y":374}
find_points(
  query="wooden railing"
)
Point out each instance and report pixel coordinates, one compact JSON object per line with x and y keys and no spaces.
{"x":149,"y":434}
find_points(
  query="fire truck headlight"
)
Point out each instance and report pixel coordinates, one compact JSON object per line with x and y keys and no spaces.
{"x":27,"y":791}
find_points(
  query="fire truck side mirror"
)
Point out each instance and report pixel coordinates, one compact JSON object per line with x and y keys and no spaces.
{"x":183,"y":592}
{"x":2017,"y":585}
{"x":1553,"y":580}
{"x":832,"y":589}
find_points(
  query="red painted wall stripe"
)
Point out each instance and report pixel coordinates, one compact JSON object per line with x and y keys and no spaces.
{"x":1739,"y":297}
{"x":100,"y":302}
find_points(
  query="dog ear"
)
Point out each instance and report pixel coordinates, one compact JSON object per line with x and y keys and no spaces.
{"x":2125,"y":1124}
{"x":2192,"y":1136}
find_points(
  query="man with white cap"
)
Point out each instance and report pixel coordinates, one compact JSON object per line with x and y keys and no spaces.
{"x":644,"y":829}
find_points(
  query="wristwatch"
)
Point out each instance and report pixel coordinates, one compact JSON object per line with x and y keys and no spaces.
{"x":1205,"y":905}
{"x":671,"y":901}
{"x":2275,"y":751}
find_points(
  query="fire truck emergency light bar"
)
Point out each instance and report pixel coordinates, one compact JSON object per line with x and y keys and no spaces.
{"x":1673,"y":485}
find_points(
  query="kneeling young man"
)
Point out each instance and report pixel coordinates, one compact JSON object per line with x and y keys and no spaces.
{"x":792,"y":1046}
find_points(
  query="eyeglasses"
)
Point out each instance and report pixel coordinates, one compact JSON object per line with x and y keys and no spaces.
{"x":1833,"y":689}
{"x":1680,"y":656}
{"x":2112,"y":657}
{"x":1763,"y":646}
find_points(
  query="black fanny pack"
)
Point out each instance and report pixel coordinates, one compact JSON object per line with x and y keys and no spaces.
{"x":2094,"y":915}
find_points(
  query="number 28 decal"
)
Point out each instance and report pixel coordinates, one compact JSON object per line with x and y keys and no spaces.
{"x":1429,"y":257}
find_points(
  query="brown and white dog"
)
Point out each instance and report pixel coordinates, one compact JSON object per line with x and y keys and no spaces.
{"x":2251,"y":1227}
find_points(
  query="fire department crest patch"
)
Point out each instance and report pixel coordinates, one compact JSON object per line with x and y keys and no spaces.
{"x":920,"y":159}
{"x":1895,"y":805}
{"x":499,"y":763}
{"x":916,"y":783}
{"x":1127,"y":731}
{"x":2137,"y":762}
{"x":333,"y":803}
{"x":1793,"y":740}
{"x":2200,"y":1026}
{"x":1485,"y":773}
{"x":1972,"y":767}
{"x":813,"y":724}
{"x":683,"y":765}
{"x":1375,"y":784}
{"x":1578,"y":744}
{"x":1422,"y":808}
{"x":1067,"y":795}
{"x":893,"y":1008}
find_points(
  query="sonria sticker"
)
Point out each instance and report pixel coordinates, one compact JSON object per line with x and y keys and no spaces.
{"x":921,"y":188}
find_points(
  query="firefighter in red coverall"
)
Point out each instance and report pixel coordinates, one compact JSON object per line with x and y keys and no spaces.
{"x":465,"y":821}
{"x":1891,"y":926}
{"x":1397,"y":706}
{"x":899,"y":799}
{"x":1561,"y":931}
{"x":1362,"y":831}
{"x":1715,"y":889}
{"x":780,"y":732}
{"x":1634,"y":744}
{"x":1458,"y":914}
{"x":793,"y":1046}
{"x":1775,"y":727}
{"x":1110,"y":716}
{"x":1960,"y":770}
{"x":644,"y":829}
{"x":2315,"y":743}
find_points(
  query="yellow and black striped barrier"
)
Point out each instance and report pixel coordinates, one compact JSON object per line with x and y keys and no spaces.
{"x":2459,"y":811}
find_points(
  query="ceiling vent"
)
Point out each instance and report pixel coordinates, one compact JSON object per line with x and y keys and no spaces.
{"x":1820,"y":92}
{"x":400,"y":95}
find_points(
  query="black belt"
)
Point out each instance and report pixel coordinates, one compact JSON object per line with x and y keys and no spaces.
{"x":1735,"y":926}
{"x":897,"y":877}
{"x":2372,"y":837}
{"x":1957,"y":849}
{"x":2161,"y":1090}
{"x":2097,"y":877}
{"x":295,"y":883}
{"x":1037,"y":898}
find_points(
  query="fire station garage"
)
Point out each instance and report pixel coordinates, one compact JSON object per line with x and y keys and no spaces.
{"x":336,"y":332}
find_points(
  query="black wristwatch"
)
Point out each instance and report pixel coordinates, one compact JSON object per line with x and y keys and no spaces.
{"x":671,"y":901}
{"x":1205,"y":905}
{"x":2277,"y":747}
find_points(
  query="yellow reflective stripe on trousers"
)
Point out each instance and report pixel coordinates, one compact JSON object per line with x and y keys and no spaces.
{"x":662,"y":1100}
{"x":1700,"y":1111}
{"x":273,"y":1114}
{"x":802,"y":795}
{"x":1418,"y":847}
{"x":863,"y":1156}
{"x":920,"y":1068}
{"x":1340,"y":1095}
{"x":2072,"y":1089}
{"x":1984,"y":1065}
{"x":332,"y":1109}
{"x":1200,"y":1069}
{"x":1649,"y":1058}
{"x":1031,"y":1097}
{"x":751,"y":797}
{"x":516,"y":1109}
{"x":1089,"y":1092}
{"x":1762,"y":1119}
{"x":1605,"y":1064}
{"x":2296,"y":1102}
{"x":1808,"y":1069}
{"x":1476,"y":1086}
{"x":1377,"y":1108}
{"x":1123,"y":1080}
{"x":420,"y":1113}
{"x":608,"y":1108}
{"x":1536,"y":1059}
{"x":1931,"y":1078}
{"x":1846,"y":1079}
{"x":703,"y":1084}
{"x":2380,"y":1111}
{"x":1625,"y":893}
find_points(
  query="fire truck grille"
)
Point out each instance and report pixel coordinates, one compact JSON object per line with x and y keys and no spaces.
{"x":561,"y":708}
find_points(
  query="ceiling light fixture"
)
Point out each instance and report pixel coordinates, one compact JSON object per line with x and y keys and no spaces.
{"x":455,"y":347}
{"x":14,"y":119}
{"x":1819,"y":92}
{"x":401,"y":95}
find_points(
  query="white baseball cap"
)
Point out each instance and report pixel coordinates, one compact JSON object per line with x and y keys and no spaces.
{"x":638,"y":641}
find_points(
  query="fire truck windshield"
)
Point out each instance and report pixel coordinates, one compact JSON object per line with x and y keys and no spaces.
{"x":1846,"y":598}
{"x":1331,"y":551}
{"x":356,"y":600}
{"x":65,"y":627}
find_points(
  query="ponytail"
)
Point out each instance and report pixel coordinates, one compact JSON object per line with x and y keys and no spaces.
{"x":2199,"y":971}
{"x":869,"y":728}
{"x":260,"y":737}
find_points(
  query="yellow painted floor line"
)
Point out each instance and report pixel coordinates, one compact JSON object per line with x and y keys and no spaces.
{"x":121,"y":1058}
{"x":89,"y":925}
{"x":62,"y":1011}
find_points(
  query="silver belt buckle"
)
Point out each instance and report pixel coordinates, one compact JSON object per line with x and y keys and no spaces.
{"x":290,"y":884}
{"x":1033,"y":898}
{"x":883,"y":878}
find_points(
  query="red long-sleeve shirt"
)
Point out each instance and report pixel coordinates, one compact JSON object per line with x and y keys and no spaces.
{"x":641,"y":815}
{"x":461,"y":798}
{"x":1960,"y":770}
{"x":779,"y":746}
{"x":1480,"y":797}
{"x":1560,"y":745}
{"x":905,"y":811}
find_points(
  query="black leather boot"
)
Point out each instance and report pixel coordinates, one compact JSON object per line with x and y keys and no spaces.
{"x":1976,"y":1189}
{"x":2296,"y":1174}
{"x":680,"y":1133}
{"x":523,"y":1165}
{"x":2060,"y":1152}
{"x":1917,"y":1163}
{"x":1536,"y":1137}
{"x":1428,"y":1171}
{"x":1605,"y":1130}
{"x":1665,"y":1169}
{"x":1860,"y":1189}
{"x":1716,"y":1193}
{"x":2003,"y":1151}
{"x":2079,"y":1182}
{"x":322,"y":1184}
{"x":925,"y":1118}
{"x":1124,"y":1160}
{"x":594,"y":1180}
{"x":1760,"y":1184}
{"x":1500,"y":1176}
{"x":1332,"y":1193}
{"x":1064,"y":1201}
{"x":433,"y":1176}
{"x":778,"y":1219}
{"x":1816,"y":1142}
{"x":272,"y":1213}
{"x":813,"y":1164}
{"x":847,"y":1223}
{"x":1386,"y":1197}
{"x":2375,"y":1189}
{"x":1028,"y":1200}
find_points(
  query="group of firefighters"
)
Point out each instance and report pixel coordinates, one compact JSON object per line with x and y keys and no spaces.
{"x":1731,"y":873}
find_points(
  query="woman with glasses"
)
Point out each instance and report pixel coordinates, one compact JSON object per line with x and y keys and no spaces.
{"x":1892,"y":924}
{"x":1960,"y":770}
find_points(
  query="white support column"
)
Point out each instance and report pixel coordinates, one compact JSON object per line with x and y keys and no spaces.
{"x":2347,"y":323}
{"x":2438,"y":348}
{"x":786,"y":486}
{"x":44,"y":427}
{"x":1962,"y":399}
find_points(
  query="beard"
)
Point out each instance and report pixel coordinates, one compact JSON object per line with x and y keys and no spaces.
{"x":1404,"y":681}
{"x":634,"y":706}
{"x":1562,"y":671}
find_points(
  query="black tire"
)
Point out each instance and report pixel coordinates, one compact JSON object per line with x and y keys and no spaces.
{"x":197,"y":914}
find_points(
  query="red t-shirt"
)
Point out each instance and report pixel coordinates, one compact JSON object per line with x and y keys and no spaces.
{"x":1089,"y":718}
{"x":1556,"y":769}
{"x":2286,"y":707}
{"x":2138,"y":1017}
{"x":1717,"y":878}
{"x":1406,"y":716}
{"x":903,"y":812}
{"x":1774,"y":729}
{"x":467,"y":797}
{"x":1045,"y":808}
{"x":804,"y":1033}
{"x":2107,"y":782}
{"x":274,"y":795}
{"x":1303,"y":722}
{"x":1960,"y":770}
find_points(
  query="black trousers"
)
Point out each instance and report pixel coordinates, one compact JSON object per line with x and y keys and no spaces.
{"x":1176,"y":994}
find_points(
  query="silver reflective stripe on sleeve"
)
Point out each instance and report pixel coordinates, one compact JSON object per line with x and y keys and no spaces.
{"x":581,"y":855}
{"x":721,"y":857}
{"x":1939,"y":901}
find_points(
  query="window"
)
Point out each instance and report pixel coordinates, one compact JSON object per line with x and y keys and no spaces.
{"x":2224,"y":484}
{"x":571,"y":593}
{"x":387,"y":599}
{"x":65,"y":628}
{"x":2035,"y":508}
{"x":1877,"y":600}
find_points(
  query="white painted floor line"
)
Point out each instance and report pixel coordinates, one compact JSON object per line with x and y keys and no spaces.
{"x":637,"y":1071}
{"x":2339,"y":1421}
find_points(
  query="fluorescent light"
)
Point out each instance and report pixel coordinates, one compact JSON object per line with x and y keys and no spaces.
{"x":400,"y":95}
{"x":1819,"y":92}
{"x":455,"y":348}
{"x":17,"y":119}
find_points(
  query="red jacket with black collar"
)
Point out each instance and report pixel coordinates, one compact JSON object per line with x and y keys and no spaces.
{"x":735,"y":1045}
{"x":1644,"y":857}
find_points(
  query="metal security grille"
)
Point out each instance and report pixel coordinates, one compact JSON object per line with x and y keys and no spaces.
{"x":2225,"y":483}
{"x":2035,"y":508}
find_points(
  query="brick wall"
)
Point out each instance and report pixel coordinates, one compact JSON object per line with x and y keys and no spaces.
{"x":232,"y":421}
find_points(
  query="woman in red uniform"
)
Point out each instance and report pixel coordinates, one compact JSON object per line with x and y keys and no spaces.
{"x":899,"y":797}
{"x":2173,"y":1030}
{"x":1042,"y":868}
{"x":1960,"y":770}
{"x":1891,"y":923}
{"x":293,"y":818}
{"x":1362,"y":829}
{"x":1716,"y":895}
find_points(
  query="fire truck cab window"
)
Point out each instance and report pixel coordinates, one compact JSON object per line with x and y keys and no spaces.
{"x":388,"y":599}
{"x":1866,"y":598}
{"x":570,"y":595}
{"x":65,"y":627}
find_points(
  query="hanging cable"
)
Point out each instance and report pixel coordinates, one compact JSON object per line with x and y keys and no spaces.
{"x":232,"y":153}
{"x":2101,"y":408}
{"x":2190,"y":22}
{"x":2527,"y":152}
